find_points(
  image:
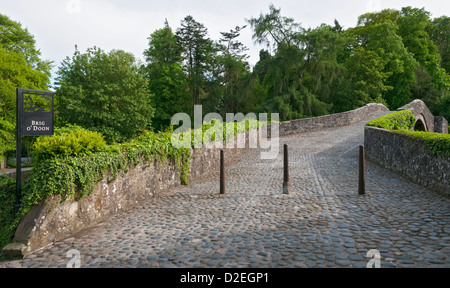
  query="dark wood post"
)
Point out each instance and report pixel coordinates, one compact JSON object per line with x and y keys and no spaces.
{"x":222,"y":172}
{"x":362,"y":181}
{"x":286,"y":170}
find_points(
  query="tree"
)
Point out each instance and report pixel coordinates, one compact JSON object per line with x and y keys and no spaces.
{"x":274,"y":30}
{"x":235,"y":69}
{"x":284,"y":73}
{"x":167,"y":81}
{"x":327,"y":49}
{"x":20,"y":67}
{"x":15,"y":38}
{"x":440,"y":33}
{"x":104,"y":92}
{"x":414,"y":25}
{"x":380,"y":36}
{"x":193,"y":38}
{"x":368,"y":81}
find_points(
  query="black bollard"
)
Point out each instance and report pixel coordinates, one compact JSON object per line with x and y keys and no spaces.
{"x":362,"y":181}
{"x":286,"y":170}
{"x":222,"y":172}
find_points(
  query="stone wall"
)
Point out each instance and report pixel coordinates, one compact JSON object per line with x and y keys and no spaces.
{"x":51,"y":221}
{"x":422,"y":113}
{"x":408,"y":157}
{"x":332,"y":120}
{"x":440,"y":125}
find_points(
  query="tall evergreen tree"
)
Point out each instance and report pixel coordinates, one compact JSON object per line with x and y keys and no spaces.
{"x":192,"y":36}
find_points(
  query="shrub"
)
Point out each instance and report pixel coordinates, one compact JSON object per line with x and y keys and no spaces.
{"x":438,"y":143}
{"x":402,"y":120}
{"x":68,"y":141}
{"x":8,"y":222}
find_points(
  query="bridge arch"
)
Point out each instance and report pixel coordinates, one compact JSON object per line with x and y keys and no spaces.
{"x":420,"y":126}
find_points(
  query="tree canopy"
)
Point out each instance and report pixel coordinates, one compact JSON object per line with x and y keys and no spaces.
{"x":104,"y":92}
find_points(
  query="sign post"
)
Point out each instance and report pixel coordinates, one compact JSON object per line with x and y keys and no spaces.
{"x":35,"y":117}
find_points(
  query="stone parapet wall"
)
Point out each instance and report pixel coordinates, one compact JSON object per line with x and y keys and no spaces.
{"x":440,"y":125}
{"x":51,"y":221}
{"x":408,"y":157}
{"x":332,"y":120}
{"x":421,"y":112}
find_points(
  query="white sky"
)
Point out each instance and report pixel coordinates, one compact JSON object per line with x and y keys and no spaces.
{"x":59,"y":25}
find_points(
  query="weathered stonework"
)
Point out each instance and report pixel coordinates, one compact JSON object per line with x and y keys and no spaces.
{"x":422,"y":113}
{"x":51,"y":221}
{"x":332,"y":120}
{"x":408,"y":157}
{"x":440,"y":125}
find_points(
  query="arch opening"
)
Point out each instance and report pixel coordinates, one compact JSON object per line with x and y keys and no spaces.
{"x":420,"y":126}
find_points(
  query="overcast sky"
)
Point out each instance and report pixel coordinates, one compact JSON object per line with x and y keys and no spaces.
{"x":59,"y":25}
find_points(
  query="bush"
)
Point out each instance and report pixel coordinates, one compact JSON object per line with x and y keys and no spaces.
{"x":68,"y":141}
{"x":8,"y":222}
{"x":438,"y":143}
{"x":402,"y":120}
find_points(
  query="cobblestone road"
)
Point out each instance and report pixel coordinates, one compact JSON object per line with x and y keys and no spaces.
{"x":321,"y":223}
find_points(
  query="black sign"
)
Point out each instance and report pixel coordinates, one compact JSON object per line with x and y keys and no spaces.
{"x":34,"y":118}
{"x":37,"y":113}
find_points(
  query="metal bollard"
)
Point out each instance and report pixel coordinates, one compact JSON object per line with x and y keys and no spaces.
{"x":286,"y":170}
{"x":362,"y":181}
{"x":222,"y":172}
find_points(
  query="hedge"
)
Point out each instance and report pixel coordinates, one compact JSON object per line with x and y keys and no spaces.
{"x":70,"y":164}
{"x":404,"y":121}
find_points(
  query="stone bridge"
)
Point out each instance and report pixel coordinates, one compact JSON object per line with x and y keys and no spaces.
{"x":323,"y":222}
{"x":425,"y":121}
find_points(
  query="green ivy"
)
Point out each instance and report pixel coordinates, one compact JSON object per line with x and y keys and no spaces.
{"x":8,"y":220}
{"x":71,"y":163}
{"x":402,"y":120}
{"x":68,"y":141}
{"x":438,"y":143}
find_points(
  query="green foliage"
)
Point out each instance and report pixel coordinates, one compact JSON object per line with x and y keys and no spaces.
{"x":19,"y":40}
{"x":366,"y":69}
{"x":68,"y":141}
{"x":104,"y":92}
{"x":8,"y":222}
{"x":438,"y":143}
{"x":166,"y":79}
{"x":401,"y":120}
{"x":7,"y":138}
{"x":14,"y":73}
{"x":440,"y":33}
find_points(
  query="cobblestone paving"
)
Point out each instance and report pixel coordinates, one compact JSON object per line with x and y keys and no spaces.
{"x":323,"y":222}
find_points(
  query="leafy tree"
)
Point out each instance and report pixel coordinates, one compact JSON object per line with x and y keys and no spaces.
{"x":285,"y":72}
{"x":327,"y":49}
{"x":414,"y":25}
{"x":15,"y":38}
{"x":382,"y":38}
{"x":274,"y":30}
{"x":14,"y":73}
{"x":167,"y":81}
{"x":440,"y":33}
{"x":104,"y":92}
{"x":20,"y":66}
{"x":368,"y":81}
